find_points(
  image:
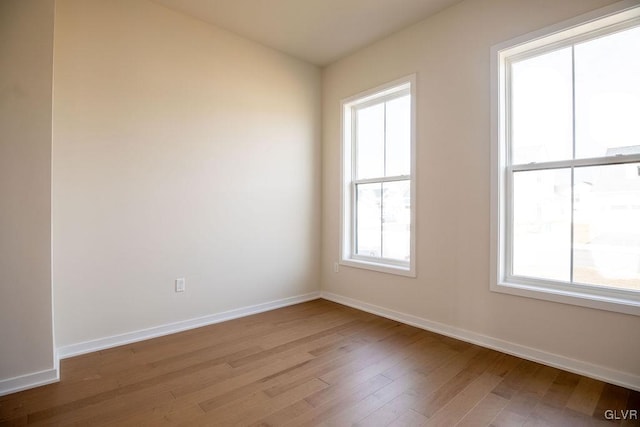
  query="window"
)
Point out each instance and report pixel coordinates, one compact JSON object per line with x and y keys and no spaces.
{"x":566,"y":205}
{"x":378,"y":179}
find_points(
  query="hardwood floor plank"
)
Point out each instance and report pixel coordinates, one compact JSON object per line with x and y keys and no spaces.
{"x":409,"y":397}
{"x":102,"y":411}
{"x":409,"y":419}
{"x":484,"y":412}
{"x":257,"y":405}
{"x":260,"y":384}
{"x":423,"y":362}
{"x":15,"y":422}
{"x":464,"y":402}
{"x":439,"y":398}
{"x":385,"y":356}
{"x":390,"y":411}
{"x":585,"y":396}
{"x":283,"y":415}
{"x":293,"y":344}
{"x":505,"y":365}
{"x":201,"y":390}
{"x":411,"y":379}
{"x":561,"y":390}
{"x":328,"y":363}
{"x":532,"y":390}
{"x":613,"y":398}
{"x":544,"y":414}
{"x":513,"y":382}
{"x":342,"y":401}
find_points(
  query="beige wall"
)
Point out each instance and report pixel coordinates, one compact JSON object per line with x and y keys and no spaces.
{"x":179,"y":150}
{"x":450,"y":53}
{"x":26,"y":59}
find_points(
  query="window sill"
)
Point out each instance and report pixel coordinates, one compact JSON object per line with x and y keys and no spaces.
{"x":380,"y":267}
{"x":602,"y":299}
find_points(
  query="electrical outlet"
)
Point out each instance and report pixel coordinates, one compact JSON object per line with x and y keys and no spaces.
{"x":336,"y":267}
{"x":180,"y":284}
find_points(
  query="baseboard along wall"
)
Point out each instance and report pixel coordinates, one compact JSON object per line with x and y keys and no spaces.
{"x":36,"y":379}
{"x":49,"y":376}
{"x":602,"y":373}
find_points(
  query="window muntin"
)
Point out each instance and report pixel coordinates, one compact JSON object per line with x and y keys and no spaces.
{"x":568,"y":157}
{"x":378,"y":212}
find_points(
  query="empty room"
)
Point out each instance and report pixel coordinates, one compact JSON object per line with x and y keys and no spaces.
{"x":320,"y":212}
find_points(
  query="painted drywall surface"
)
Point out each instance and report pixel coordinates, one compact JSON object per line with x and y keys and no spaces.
{"x":26,"y":66}
{"x":179,"y":150}
{"x":450,"y":54}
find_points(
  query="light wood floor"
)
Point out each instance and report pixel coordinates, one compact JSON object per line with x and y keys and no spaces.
{"x":317,"y":363}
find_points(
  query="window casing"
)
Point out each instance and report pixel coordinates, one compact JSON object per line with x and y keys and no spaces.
{"x":565,"y":167}
{"x":378,"y":185}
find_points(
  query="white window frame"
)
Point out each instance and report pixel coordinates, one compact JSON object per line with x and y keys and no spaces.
{"x":348,"y":256}
{"x":614,"y":17}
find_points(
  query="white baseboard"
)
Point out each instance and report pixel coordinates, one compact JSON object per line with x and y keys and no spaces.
{"x":24,"y":382}
{"x":171,"y":328}
{"x":576,"y":366}
{"x":36,"y":379}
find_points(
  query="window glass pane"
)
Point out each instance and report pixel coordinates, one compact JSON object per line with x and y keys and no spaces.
{"x":398,"y":133}
{"x":396,"y":220}
{"x":608,"y":95}
{"x":607,"y":226}
{"x":370,"y":142}
{"x":542,"y":224}
{"x":369,"y":219}
{"x":542,"y":108}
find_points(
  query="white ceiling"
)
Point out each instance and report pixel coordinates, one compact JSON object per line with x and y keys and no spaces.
{"x":318,"y":31}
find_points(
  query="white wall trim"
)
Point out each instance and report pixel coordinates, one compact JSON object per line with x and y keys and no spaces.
{"x":598,"y":372}
{"x":171,"y":328}
{"x":24,"y":382}
{"x":37,"y":379}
